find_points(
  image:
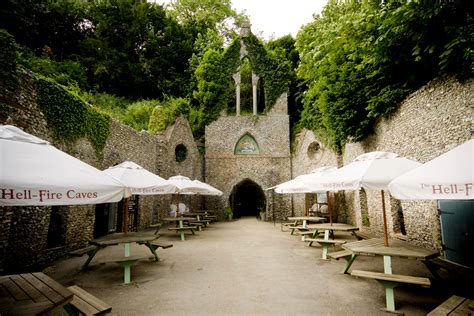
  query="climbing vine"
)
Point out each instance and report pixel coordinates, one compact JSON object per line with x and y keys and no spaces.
{"x":8,"y":60}
{"x":276,"y":73}
{"x":69,"y":116}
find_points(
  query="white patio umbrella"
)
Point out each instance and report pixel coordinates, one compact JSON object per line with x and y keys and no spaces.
{"x":372,"y":171}
{"x":210,"y":189}
{"x":32,"y":172}
{"x":186,"y":186}
{"x":450,"y":176}
{"x":301,"y":184}
{"x":139,"y":181}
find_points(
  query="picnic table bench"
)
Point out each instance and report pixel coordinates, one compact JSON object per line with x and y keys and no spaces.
{"x":32,"y":294}
{"x":85,"y":303}
{"x":390,"y":281}
{"x":325,"y":243}
{"x":455,"y":305}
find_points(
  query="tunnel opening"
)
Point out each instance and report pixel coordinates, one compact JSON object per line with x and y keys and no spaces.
{"x":247,"y":199}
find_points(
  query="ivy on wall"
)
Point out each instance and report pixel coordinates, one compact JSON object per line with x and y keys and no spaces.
{"x":69,"y":116}
{"x":214,"y":75}
{"x":276,"y":74}
{"x":8,"y":60}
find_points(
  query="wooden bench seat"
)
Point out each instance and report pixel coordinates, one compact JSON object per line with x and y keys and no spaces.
{"x":191,"y":228}
{"x":340,"y":254}
{"x":389,"y":282}
{"x":323,"y":242}
{"x":455,"y":305}
{"x":86,"y":303}
{"x":181,"y":230}
{"x":361,"y":235}
{"x":82,"y":251}
{"x":396,"y":278}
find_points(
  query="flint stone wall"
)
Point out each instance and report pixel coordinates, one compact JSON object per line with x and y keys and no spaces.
{"x":225,"y":170}
{"x":430,"y":122}
{"x":24,"y":230}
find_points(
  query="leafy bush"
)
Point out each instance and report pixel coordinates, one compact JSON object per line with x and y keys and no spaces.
{"x":8,"y":59}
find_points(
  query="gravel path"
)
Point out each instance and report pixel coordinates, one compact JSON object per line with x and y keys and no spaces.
{"x":244,"y":267}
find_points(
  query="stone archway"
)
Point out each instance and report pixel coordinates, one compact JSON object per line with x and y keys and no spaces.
{"x":247,"y":199}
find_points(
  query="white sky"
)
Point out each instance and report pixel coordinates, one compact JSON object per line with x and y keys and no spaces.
{"x":276,"y":17}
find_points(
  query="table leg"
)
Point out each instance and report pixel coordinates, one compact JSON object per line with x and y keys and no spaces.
{"x":152,"y":249}
{"x":349,"y":261}
{"x":126,"y":247}
{"x":389,"y":290}
{"x":325,"y":246}
{"x":181,"y":225}
{"x":91,"y":256}
{"x":293,"y":230}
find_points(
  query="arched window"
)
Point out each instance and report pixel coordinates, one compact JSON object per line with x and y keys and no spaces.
{"x":180,"y":153}
{"x":246,"y":146}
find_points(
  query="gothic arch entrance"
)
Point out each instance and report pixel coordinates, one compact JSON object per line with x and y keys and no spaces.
{"x":247,"y":198}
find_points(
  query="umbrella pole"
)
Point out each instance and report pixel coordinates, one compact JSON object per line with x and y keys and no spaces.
{"x":384,"y":219}
{"x":329,"y":206}
{"x":125,"y":216}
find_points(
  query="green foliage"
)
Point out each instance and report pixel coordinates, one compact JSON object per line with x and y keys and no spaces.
{"x":69,"y":116}
{"x":274,"y":70}
{"x":360,"y":59}
{"x":67,"y":72}
{"x":8,"y":59}
{"x":137,"y":115}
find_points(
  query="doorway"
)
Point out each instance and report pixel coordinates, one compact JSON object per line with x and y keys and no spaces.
{"x":247,"y":199}
{"x":457,"y":231}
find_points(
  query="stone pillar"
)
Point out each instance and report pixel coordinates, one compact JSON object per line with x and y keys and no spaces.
{"x":254,"y":92}
{"x":236,"y":78}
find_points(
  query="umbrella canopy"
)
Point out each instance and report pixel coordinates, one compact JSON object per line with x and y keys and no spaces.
{"x":139,"y":180}
{"x":372,"y":171}
{"x":35,"y":173}
{"x":210,"y":189}
{"x":447,"y":177}
{"x":301,"y":184}
{"x":186,"y":185}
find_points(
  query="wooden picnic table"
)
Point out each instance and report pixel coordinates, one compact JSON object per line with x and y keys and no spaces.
{"x":31,"y":294}
{"x":304,"y":220}
{"x":329,"y":230}
{"x":179,"y":220}
{"x":396,"y":248}
{"x":126,"y":239}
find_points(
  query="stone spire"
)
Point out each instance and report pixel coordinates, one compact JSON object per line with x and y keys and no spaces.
{"x":245,"y":28}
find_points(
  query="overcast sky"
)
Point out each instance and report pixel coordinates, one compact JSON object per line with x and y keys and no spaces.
{"x":279,"y":17}
{"x":276,"y":17}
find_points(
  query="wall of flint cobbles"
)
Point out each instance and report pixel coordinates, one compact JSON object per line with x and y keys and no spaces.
{"x":23,"y":231}
{"x":431,"y":121}
{"x":271,"y":166}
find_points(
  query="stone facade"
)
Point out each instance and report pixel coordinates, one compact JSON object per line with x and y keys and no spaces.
{"x":429,"y":122}
{"x":24,"y":230}
{"x":225,"y":169}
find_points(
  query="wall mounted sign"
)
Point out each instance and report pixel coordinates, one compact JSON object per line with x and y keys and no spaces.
{"x":246,"y":146}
